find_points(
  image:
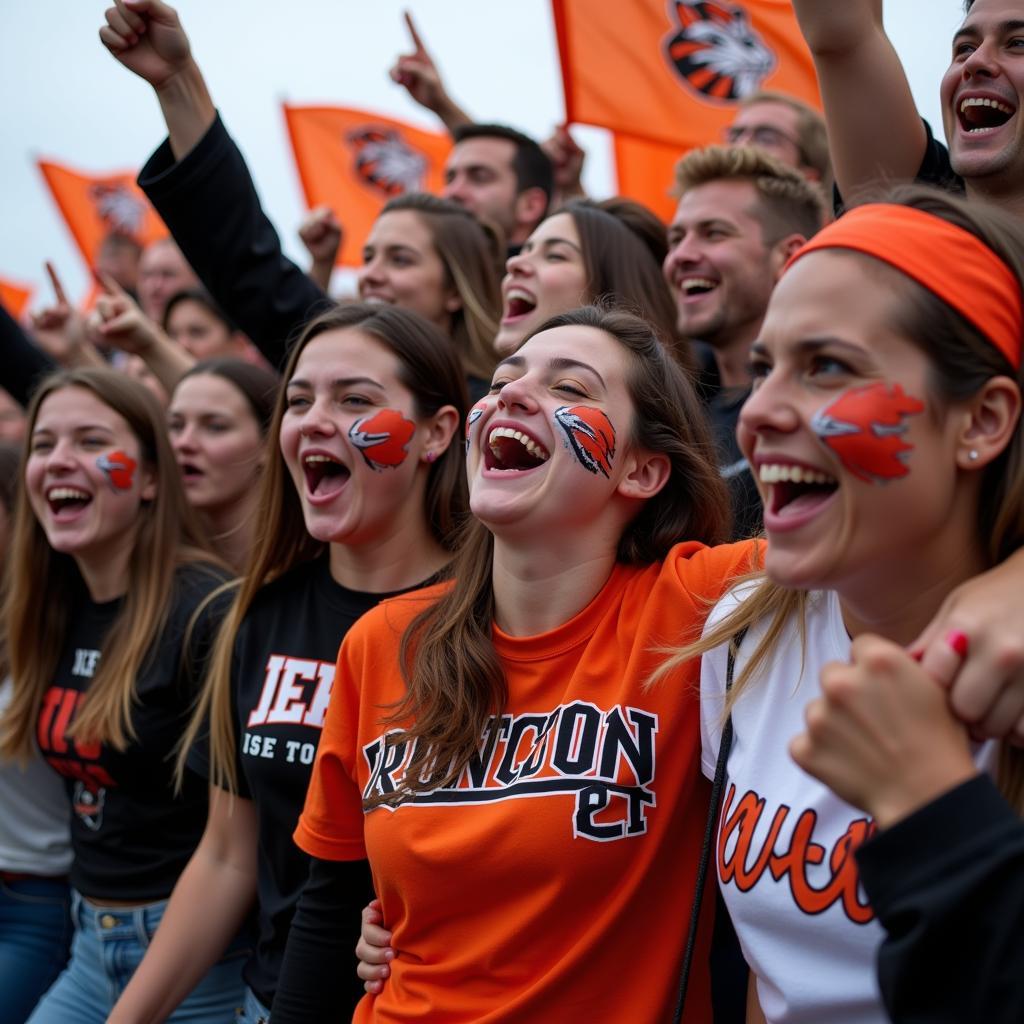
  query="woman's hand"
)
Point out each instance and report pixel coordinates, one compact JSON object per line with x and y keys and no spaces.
{"x":373,"y":950}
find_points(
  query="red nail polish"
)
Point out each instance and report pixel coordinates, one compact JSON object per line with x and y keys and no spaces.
{"x":958,"y":641}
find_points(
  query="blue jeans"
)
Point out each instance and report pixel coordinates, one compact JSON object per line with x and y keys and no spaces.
{"x":252,"y":1011}
{"x":108,"y":946}
{"x":35,"y":933}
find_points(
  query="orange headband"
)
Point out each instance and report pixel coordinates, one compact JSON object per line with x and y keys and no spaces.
{"x":947,"y":260}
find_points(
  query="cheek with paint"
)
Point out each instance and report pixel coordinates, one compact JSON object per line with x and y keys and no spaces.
{"x":382,"y":439}
{"x":119,"y":469}
{"x":865,"y":428}
{"x":474,"y":415}
{"x":589,"y":435}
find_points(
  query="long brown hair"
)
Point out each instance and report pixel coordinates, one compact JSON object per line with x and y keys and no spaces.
{"x":472,"y":253}
{"x":430,"y":369}
{"x":40,"y":580}
{"x":962,"y":360}
{"x":453,"y":676}
{"x":623,"y":246}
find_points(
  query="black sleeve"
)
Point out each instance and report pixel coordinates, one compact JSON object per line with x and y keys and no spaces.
{"x":209,"y":203}
{"x":947,"y":884}
{"x":318,"y":977}
{"x":23,"y":363}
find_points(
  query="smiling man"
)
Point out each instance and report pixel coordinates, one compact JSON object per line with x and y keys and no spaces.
{"x":982,"y":91}
{"x":741,"y":215}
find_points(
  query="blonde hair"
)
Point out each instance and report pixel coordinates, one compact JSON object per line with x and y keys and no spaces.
{"x":787,"y":203}
{"x":40,"y":580}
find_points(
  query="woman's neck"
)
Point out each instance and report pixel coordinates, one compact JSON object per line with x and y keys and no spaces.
{"x":537,"y":591}
{"x":900,"y":605}
{"x":402,"y":559}
{"x":106,"y":573}
{"x":232,"y":529}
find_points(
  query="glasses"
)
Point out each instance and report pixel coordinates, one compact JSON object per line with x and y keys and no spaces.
{"x":764,"y":135}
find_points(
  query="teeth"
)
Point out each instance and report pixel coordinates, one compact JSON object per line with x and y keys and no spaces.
{"x":376,"y":300}
{"x":317,"y":458}
{"x":775,"y":473}
{"x":978,"y":101}
{"x":518,"y":293}
{"x":692,"y":283}
{"x":64,"y":493}
{"x":528,"y":443}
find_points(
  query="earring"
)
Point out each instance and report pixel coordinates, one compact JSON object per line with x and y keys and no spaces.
{"x":430,"y":457}
{"x":973,"y":455}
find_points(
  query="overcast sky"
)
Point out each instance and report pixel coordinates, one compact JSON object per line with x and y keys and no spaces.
{"x":64,"y":97}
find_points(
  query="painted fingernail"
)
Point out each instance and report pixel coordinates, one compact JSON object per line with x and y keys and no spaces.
{"x":958,"y":641}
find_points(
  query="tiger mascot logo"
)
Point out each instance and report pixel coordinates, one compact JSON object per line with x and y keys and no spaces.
{"x":385,"y":161}
{"x":121,"y":211}
{"x":715,"y":51}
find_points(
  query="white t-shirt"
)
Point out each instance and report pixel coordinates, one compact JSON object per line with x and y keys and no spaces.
{"x":785,"y":845}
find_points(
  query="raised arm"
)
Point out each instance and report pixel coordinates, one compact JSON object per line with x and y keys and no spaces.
{"x":201,"y":186}
{"x":418,"y":74}
{"x":875,"y":133}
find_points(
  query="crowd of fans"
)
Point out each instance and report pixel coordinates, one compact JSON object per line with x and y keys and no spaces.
{"x":591,"y":619}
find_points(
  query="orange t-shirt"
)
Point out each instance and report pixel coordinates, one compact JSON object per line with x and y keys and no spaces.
{"x":553,"y":882}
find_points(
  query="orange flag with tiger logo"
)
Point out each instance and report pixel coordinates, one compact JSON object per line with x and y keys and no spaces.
{"x":354,"y":162}
{"x":666,"y":75}
{"x":15,"y":297}
{"x":95,"y":206}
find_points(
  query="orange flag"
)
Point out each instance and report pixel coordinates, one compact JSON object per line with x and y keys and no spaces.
{"x":673,"y":70}
{"x":95,"y":206}
{"x":15,"y":297}
{"x":354,"y":162}
{"x":646,"y":171}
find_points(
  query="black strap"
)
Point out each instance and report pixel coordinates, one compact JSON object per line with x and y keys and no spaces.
{"x":724,"y":746}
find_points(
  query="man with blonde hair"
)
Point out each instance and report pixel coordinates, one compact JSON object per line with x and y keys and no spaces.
{"x":741,"y":215}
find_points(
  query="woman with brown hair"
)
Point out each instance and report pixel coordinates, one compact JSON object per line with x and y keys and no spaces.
{"x":107,"y":618}
{"x":491,"y":746}
{"x":884,"y":429}
{"x":609,"y":252}
{"x":361,"y":498}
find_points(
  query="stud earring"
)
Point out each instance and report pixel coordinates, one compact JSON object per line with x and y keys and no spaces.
{"x":432,"y":457}
{"x":973,"y":455}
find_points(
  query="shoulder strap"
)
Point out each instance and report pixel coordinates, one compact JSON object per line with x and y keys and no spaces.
{"x":724,"y":746}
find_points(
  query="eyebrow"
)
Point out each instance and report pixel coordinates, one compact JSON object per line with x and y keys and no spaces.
{"x":82,"y":428}
{"x":812,"y":345}
{"x":339,"y":382}
{"x":560,"y":241}
{"x":557,"y":363}
{"x":973,"y":31}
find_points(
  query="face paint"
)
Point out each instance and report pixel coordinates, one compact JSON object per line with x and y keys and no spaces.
{"x":382,"y":438}
{"x":589,"y":435}
{"x":119,"y":470}
{"x":474,"y":414}
{"x":865,"y":426}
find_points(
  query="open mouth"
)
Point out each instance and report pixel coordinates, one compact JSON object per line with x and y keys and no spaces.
{"x":518,"y":304}
{"x":795,"y":488}
{"x":324,"y":475}
{"x":67,"y":500}
{"x":377,"y":300}
{"x":981,"y":114}
{"x":190,"y":472}
{"x":691,"y":287}
{"x":511,"y":450}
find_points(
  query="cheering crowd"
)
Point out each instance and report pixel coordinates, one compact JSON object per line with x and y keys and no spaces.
{"x":594,"y":619}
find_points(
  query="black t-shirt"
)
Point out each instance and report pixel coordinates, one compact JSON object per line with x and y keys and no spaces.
{"x":131,"y":835}
{"x":283,"y":671}
{"x":723,"y":408}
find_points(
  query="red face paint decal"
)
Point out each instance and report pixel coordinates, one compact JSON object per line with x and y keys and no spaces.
{"x":382,"y":438}
{"x":589,"y":435}
{"x":474,"y":414}
{"x":119,"y":470}
{"x":865,"y":428}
